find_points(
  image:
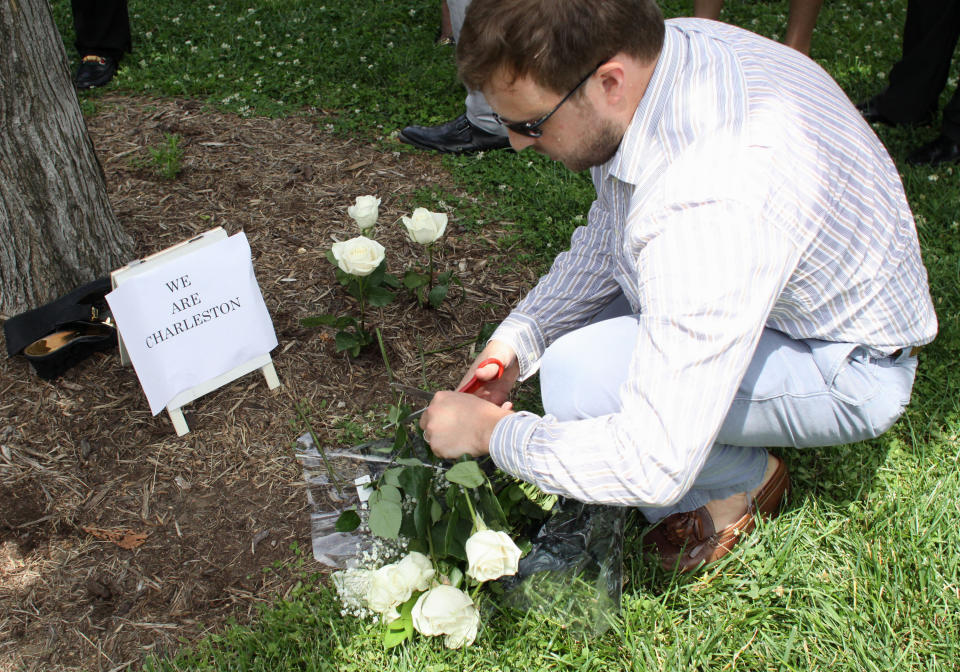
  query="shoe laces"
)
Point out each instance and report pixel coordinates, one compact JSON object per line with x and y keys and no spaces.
{"x":684,"y":528}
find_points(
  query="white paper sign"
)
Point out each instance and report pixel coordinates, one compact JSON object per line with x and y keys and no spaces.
{"x":192,"y":319}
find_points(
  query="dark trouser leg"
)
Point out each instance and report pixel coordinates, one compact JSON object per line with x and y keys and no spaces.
{"x":916,"y":81}
{"x":102,"y":28}
{"x":951,"y":117}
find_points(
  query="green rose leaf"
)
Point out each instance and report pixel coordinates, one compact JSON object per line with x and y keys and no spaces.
{"x":399,"y":439}
{"x":410,"y":462}
{"x":439,"y":534}
{"x":437,"y":295}
{"x":379,"y":296}
{"x":391,"y":477}
{"x":348,"y":521}
{"x":353,"y":287}
{"x":343,"y":277}
{"x":385,"y":512}
{"x":392,"y":281}
{"x":415,"y":480}
{"x":419,"y":545}
{"x":348,"y":340}
{"x":491,"y":510}
{"x":376,"y":278}
{"x":332,"y":259}
{"x":408,"y":525}
{"x":400,"y":630}
{"x":467,"y":474}
{"x":386,"y":493}
{"x":455,"y":540}
{"x":413,"y":280}
{"x":486,"y":331}
{"x":515,"y":493}
{"x":421,"y":517}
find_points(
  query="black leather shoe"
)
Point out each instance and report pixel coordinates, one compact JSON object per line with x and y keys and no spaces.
{"x":941,"y":150}
{"x":454,"y":137}
{"x":871,"y":112}
{"x":870,"y":109}
{"x":95,"y":71}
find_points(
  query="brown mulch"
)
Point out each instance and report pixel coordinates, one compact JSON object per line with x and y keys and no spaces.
{"x":119,"y":539}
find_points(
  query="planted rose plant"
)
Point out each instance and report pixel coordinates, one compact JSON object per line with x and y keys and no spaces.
{"x":361,"y":268}
{"x":426,"y":228}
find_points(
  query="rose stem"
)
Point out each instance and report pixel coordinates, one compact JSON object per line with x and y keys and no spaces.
{"x":304,"y":416}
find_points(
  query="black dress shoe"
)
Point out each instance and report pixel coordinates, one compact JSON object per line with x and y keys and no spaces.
{"x":870,"y":109}
{"x":871,"y":112}
{"x":454,"y":137}
{"x":95,"y":71}
{"x":941,"y":150}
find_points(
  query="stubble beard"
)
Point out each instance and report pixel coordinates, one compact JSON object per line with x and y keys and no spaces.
{"x":597,"y":150}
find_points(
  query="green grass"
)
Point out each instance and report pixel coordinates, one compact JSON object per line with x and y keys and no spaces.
{"x":862,"y":572}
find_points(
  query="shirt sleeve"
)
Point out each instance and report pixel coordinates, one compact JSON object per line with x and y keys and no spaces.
{"x":579,"y":284}
{"x":707,"y":279}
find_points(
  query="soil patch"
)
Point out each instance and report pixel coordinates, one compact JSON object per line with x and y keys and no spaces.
{"x":223,"y":508}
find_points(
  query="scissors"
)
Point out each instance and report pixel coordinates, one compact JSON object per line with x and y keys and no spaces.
{"x":470,"y":386}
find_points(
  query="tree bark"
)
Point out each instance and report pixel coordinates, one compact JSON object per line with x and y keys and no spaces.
{"x":57,"y":228}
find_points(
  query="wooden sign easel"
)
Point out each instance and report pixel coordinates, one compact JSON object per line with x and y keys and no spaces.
{"x":175,"y":405}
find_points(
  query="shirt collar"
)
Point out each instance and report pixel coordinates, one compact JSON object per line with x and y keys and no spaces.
{"x":638,"y":146}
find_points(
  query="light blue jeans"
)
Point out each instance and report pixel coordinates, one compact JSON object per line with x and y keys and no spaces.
{"x":798,"y":393}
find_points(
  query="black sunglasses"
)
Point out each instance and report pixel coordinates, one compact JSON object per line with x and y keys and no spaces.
{"x":531,"y":129}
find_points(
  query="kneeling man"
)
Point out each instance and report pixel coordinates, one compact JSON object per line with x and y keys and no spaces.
{"x":749,"y":275}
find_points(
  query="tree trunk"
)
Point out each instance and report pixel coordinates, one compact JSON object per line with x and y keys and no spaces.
{"x":57,"y":229}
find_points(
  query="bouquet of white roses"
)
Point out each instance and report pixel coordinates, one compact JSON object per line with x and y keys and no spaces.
{"x":454,"y":525}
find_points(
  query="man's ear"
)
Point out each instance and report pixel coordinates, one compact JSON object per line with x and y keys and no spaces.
{"x":613,"y":80}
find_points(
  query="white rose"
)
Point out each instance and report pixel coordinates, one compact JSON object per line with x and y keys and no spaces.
{"x":445,"y":610}
{"x":415,"y":571}
{"x":358,"y":256}
{"x":392,"y":585}
{"x":491,"y":555}
{"x":365,"y":211}
{"x":424,"y":226}
{"x":386,"y":593}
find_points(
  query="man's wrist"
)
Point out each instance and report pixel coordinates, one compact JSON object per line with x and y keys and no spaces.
{"x":508,"y":443}
{"x":496,"y":416}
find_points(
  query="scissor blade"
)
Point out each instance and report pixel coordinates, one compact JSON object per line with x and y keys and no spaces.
{"x":412,"y":392}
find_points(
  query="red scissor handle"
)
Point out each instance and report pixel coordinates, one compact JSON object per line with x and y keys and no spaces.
{"x":475,"y":382}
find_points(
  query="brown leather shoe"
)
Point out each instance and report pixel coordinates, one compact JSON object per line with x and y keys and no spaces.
{"x":687,"y":541}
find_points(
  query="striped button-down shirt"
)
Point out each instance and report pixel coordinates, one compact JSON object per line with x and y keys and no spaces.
{"x":746,"y":192}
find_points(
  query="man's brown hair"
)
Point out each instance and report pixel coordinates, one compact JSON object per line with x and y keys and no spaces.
{"x":554,"y":42}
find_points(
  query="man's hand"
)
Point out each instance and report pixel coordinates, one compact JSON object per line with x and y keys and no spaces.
{"x":458,"y":424}
{"x":496,"y":391}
